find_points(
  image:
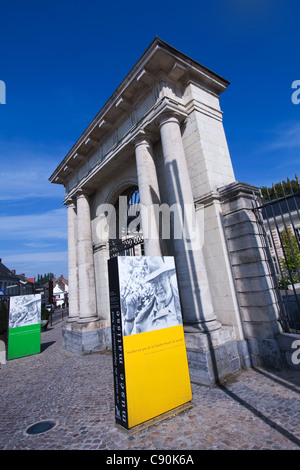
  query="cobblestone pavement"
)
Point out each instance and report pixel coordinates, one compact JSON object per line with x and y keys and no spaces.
{"x":259,"y":409}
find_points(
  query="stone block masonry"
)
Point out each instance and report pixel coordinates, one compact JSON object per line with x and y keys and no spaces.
{"x":256,"y":289}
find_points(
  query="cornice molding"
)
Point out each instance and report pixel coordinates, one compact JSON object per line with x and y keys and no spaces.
{"x":238,"y":189}
{"x":164,"y":106}
{"x":159,"y":57}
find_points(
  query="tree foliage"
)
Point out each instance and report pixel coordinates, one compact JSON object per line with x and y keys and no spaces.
{"x":280,"y":189}
{"x":291,"y":260}
{"x":44,"y":278}
{"x":290,"y":263}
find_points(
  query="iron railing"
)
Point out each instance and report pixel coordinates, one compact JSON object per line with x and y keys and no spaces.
{"x":279,"y":222}
{"x":125,"y":247}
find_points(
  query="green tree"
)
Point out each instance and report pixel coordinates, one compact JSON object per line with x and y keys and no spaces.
{"x":291,"y":261}
{"x":280,"y":189}
{"x":44,"y":278}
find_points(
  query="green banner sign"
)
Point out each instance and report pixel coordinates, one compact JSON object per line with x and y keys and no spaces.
{"x":24,"y":327}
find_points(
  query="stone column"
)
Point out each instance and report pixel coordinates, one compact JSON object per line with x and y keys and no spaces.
{"x":195,"y":295}
{"x":101,"y":257}
{"x":72,"y":262}
{"x":149,"y":194}
{"x":86,"y":274}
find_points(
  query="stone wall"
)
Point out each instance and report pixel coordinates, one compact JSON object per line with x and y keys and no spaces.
{"x":256,"y":289}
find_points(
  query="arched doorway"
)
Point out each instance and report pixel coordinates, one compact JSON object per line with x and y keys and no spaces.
{"x":129,"y":240}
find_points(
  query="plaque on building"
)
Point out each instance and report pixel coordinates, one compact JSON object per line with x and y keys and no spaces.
{"x":24,"y":326}
{"x":151,"y":374}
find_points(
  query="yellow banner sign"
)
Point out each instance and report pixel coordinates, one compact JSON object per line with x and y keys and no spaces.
{"x":151,"y":374}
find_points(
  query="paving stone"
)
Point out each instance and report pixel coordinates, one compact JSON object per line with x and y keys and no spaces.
{"x":258,"y":409}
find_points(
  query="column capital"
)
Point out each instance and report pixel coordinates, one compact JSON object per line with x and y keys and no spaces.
{"x":70,"y":202}
{"x":167,"y":117}
{"x":82,"y":193}
{"x":142,"y":138}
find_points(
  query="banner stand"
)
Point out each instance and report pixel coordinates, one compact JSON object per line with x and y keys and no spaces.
{"x":156,"y":420}
{"x":150,"y":366}
{"x":24,"y":326}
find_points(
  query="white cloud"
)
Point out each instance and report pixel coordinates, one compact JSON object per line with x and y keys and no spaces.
{"x":285,"y":137}
{"x":41,"y":245}
{"x":32,"y":264}
{"x":42,"y":257}
{"x":51,"y":225}
{"x":25,"y":170}
{"x":28,"y":183}
{"x":36,"y":243}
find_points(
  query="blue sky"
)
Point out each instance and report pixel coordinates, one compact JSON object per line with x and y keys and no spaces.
{"x":61,"y":61}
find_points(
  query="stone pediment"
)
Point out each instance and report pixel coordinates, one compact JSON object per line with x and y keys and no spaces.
{"x":155,"y":84}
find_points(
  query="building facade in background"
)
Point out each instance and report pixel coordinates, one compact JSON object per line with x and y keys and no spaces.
{"x":60,"y":291}
{"x":14,"y":284}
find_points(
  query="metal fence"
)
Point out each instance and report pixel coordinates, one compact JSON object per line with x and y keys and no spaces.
{"x":279,"y":222}
{"x":131,"y":246}
{"x":58,"y":316}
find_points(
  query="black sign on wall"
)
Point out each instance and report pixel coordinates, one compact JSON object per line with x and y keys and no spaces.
{"x":121,"y":415}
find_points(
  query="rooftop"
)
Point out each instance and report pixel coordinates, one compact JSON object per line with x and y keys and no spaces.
{"x":160,"y":60}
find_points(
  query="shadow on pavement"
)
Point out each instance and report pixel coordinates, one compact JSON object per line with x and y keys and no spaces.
{"x":46,"y":345}
{"x":260,"y":415}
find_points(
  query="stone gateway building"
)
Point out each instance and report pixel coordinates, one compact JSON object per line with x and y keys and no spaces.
{"x":159,"y":142}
